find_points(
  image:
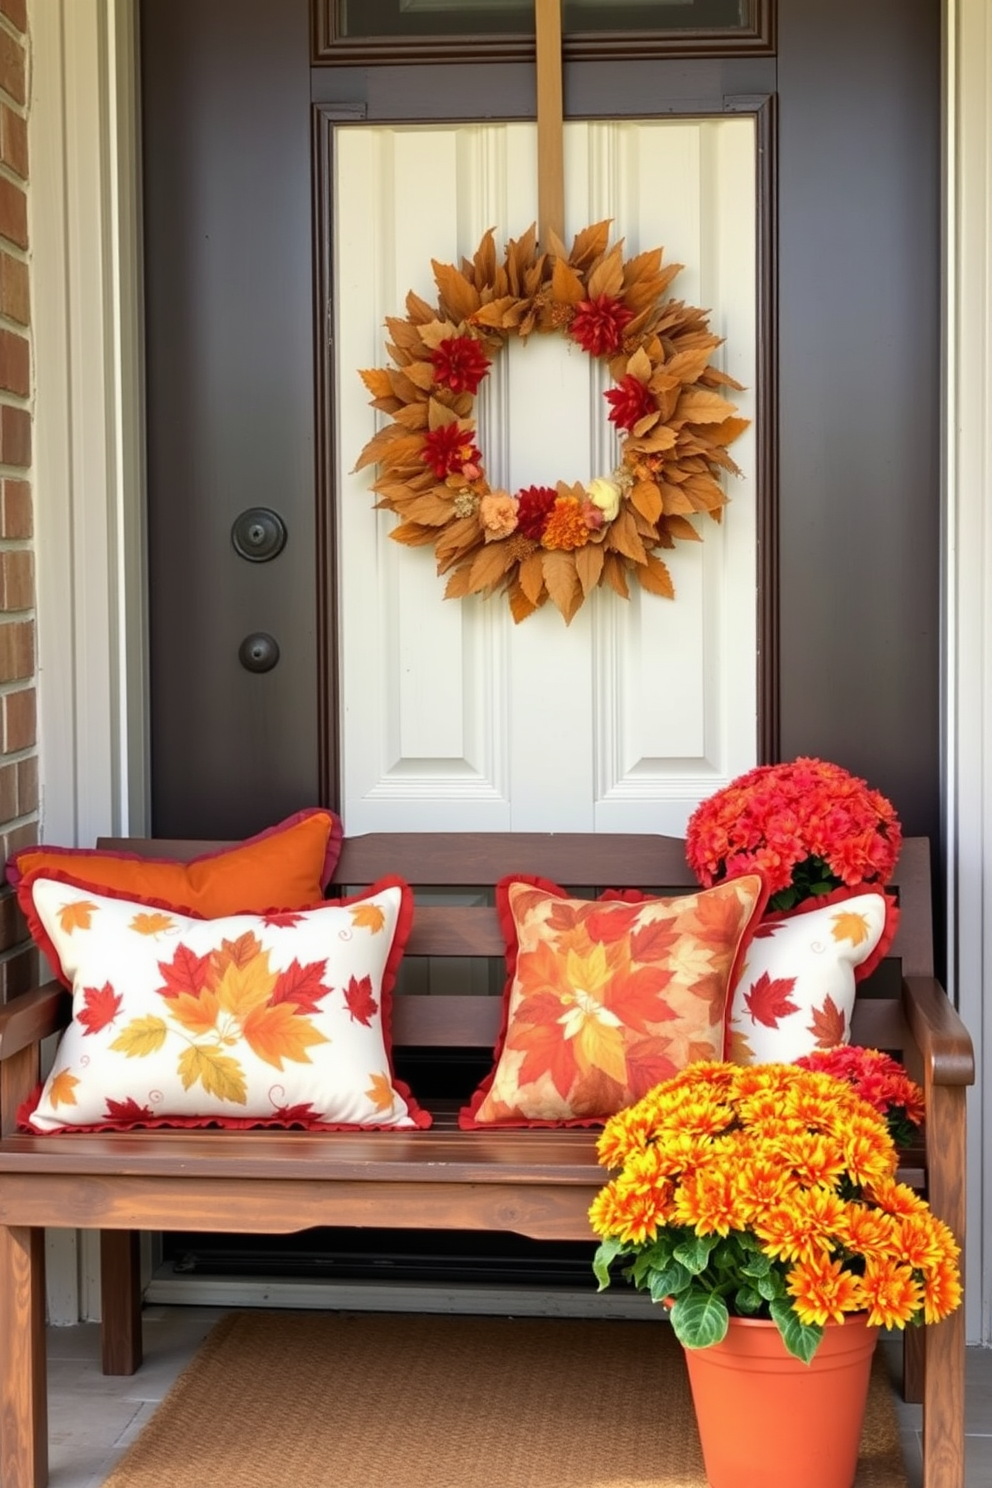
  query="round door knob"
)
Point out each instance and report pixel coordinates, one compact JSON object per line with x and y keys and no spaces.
{"x":259,"y":534}
{"x":258,"y":652}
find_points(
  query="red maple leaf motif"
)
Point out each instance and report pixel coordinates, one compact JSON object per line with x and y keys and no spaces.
{"x":186,"y":972}
{"x":299,"y":1115}
{"x":546,"y":1052}
{"x":648,"y":1063}
{"x":361,"y":1004}
{"x":636,"y":997}
{"x":768,"y":1000}
{"x":283,"y":919}
{"x":303,"y":985}
{"x":101,"y":1006}
{"x":127,"y":1110}
{"x":653,"y":940}
{"x":608,"y":926}
{"x":829,"y":1025}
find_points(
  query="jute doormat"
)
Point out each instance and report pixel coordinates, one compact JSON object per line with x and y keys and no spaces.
{"x":351,"y":1400}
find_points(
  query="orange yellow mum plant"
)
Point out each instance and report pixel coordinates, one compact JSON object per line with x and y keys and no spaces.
{"x":768,"y":1192}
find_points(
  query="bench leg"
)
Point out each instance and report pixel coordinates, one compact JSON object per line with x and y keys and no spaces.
{"x":943,"y":1403}
{"x":23,"y":1379}
{"x":913,"y":1364}
{"x":120,"y":1301}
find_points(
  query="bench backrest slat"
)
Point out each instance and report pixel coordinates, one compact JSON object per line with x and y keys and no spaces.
{"x":590,"y":862}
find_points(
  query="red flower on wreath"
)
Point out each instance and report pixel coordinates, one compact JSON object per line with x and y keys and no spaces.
{"x":629,"y":401}
{"x":598,"y":324}
{"x":448,"y":449}
{"x":534,"y":504}
{"x":459,"y":364}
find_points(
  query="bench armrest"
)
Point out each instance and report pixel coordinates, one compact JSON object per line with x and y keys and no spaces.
{"x":33,"y":1016}
{"x":941,"y":1037}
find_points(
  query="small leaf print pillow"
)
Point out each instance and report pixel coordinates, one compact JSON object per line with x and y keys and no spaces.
{"x":796,"y":992}
{"x":604,"y":998}
{"x":278,"y":1019}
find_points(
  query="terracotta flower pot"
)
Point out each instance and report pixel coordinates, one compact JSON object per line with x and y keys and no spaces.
{"x":767,"y":1420}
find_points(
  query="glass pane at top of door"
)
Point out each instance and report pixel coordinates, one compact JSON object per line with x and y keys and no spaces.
{"x":478,"y":18}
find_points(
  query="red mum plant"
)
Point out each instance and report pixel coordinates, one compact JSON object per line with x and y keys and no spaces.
{"x":459,"y":364}
{"x":598,"y":324}
{"x":880,"y":1080}
{"x":810,"y":827}
{"x":448,"y":449}
{"x":629,"y":401}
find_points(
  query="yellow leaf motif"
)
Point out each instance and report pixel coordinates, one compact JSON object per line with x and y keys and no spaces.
{"x":219,"y":1074}
{"x":197,"y":1014}
{"x":277,"y":1033}
{"x":246,"y":987}
{"x":369,"y":916}
{"x":76,"y":915}
{"x":850,"y":926}
{"x":62,"y":1091}
{"x":380,"y":1092}
{"x":152,"y":924}
{"x":141,"y":1037}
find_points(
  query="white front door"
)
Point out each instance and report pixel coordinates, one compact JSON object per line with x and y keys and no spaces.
{"x":452,"y":716}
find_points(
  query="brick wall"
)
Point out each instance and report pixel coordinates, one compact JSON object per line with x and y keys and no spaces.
{"x":18,"y":713}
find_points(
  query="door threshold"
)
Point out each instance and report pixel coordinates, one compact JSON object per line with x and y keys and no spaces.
{"x":276,"y":1292}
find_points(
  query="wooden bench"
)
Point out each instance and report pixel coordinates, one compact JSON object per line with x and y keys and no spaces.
{"x":536,"y":1183}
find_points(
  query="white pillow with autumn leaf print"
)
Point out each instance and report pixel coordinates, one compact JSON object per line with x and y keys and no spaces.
{"x":276,"y":1019}
{"x":796,"y":991}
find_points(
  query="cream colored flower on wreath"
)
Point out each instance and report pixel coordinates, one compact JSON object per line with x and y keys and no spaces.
{"x":605,"y":494}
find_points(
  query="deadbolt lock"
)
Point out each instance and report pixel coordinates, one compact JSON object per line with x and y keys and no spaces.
{"x":259,"y":534}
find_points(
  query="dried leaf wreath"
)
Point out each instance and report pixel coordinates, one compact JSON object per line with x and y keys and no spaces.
{"x":552,"y":542}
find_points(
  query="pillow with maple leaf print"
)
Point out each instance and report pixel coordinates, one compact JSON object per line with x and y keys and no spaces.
{"x":279,"y":1019}
{"x":797,"y":989}
{"x":604,"y":998}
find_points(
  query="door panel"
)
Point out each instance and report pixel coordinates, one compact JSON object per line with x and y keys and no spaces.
{"x":450,"y":713}
{"x":229,"y":334}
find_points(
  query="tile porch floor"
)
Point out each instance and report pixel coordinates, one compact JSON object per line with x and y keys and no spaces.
{"x":94,"y":1418}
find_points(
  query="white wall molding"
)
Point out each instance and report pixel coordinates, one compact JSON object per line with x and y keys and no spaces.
{"x":968,"y":599}
{"x":88,"y":461}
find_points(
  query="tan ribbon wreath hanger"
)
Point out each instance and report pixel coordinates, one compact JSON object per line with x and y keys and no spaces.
{"x":672,"y":421}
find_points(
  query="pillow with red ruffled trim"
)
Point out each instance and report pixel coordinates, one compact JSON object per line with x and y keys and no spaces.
{"x":797,"y":989}
{"x":606,"y":997}
{"x":288,"y":866}
{"x":279,"y":1019}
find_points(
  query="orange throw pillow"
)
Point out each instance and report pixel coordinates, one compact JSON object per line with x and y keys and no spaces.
{"x":607,"y":997}
{"x":285,"y":867}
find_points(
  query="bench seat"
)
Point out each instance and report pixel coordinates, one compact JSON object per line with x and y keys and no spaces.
{"x":536,"y":1182}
